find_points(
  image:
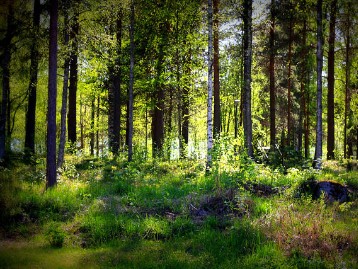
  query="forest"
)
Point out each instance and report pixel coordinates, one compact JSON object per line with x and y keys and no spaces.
{"x":179,"y":134}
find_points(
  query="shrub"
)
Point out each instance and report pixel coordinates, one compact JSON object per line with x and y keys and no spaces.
{"x":55,"y":235}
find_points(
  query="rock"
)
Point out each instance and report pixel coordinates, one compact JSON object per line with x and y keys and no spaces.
{"x":333,"y":191}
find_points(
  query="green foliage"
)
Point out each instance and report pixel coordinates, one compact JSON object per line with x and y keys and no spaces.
{"x":170,"y":214}
{"x":55,"y":235}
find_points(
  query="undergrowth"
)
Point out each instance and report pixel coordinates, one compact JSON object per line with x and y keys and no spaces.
{"x":242,"y":213}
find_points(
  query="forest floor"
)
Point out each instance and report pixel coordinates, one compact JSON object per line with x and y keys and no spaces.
{"x":154,"y":214}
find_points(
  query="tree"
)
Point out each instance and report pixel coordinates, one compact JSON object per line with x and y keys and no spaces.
{"x":114,"y":93}
{"x":66,"y":69}
{"x":217,"y":110}
{"x":318,"y":149}
{"x":330,"y":97}
{"x":272,"y":78}
{"x":31,"y":108}
{"x":52,"y":96}
{"x":210,"y":85}
{"x":5,"y":64}
{"x":72,"y":118}
{"x":247,"y":120}
{"x":130,"y":88}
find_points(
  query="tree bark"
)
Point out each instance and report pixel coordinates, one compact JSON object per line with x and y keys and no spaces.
{"x":217,"y":109}
{"x":5,"y":64}
{"x":131,"y":83}
{"x":52,"y":96}
{"x":330,"y":95}
{"x":347,"y":111}
{"x":31,"y":108}
{"x":61,"y":148}
{"x":92,"y":126}
{"x":158,"y":98}
{"x":114,"y":94}
{"x":272,"y":79}
{"x":318,"y":151}
{"x":247,"y":18}
{"x":210,"y":86}
{"x":289,"y":97}
{"x":72,"y":115}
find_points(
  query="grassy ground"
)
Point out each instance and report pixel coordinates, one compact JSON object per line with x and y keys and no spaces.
{"x":111,"y":214}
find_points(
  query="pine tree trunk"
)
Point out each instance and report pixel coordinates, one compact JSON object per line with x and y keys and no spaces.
{"x":330,"y":97}
{"x":131,"y":83}
{"x":61,"y":148}
{"x":52,"y":96}
{"x":347,"y":110}
{"x":158,"y":98}
{"x":289,"y":97}
{"x":318,"y":151}
{"x":210,"y":86}
{"x":72,"y":117}
{"x":247,"y":18}
{"x":272,"y":79}
{"x":92,"y":126}
{"x":6,"y":82}
{"x":303,"y":87}
{"x":97,"y":127}
{"x":114,"y":94}
{"x":217,"y":109}
{"x":31,"y":108}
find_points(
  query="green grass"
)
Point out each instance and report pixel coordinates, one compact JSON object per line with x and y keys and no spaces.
{"x":113,"y":214}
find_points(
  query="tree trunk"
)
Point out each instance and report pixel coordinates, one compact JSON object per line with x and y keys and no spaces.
{"x":347,"y":110}
{"x":114,"y":94}
{"x":72,"y":121}
{"x":131,"y":83}
{"x":330,"y":96}
{"x":158,"y":97}
{"x":289,"y":98}
{"x":210,"y":85}
{"x":6,"y":81}
{"x":97,"y":127}
{"x":61,"y":148}
{"x":52,"y":96}
{"x":247,"y":18}
{"x":318,"y":151}
{"x":217,"y":109}
{"x":31,"y":108}
{"x":303,"y":86}
{"x":272,"y":79}
{"x":92,"y":126}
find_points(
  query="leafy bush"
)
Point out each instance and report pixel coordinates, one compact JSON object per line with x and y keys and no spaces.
{"x":55,"y":235}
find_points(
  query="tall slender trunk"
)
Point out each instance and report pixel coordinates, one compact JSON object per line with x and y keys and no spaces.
{"x":92,"y":126}
{"x":31,"y":108}
{"x":52,"y":96}
{"x":289,"y":95}
{"x":97,"y":127}
{"x":307,"y":118}
{"x":217,"y":109}
{"x":347,"y":111}
{"x":247,"y":18}
{"x":158,"y":97}
{"x":114,"y":94}
{"x":185,"y":99}
{"x":5,"y":64}
{"x":318,"y":151}
{"x":131,"y":83}
{"x":303,"y":87}
{"x":272,"y":79}
{"x":61,"y":148}
{"x":72,"y":117}
{"x":330,"y":96}
{"x":210,"y":85}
